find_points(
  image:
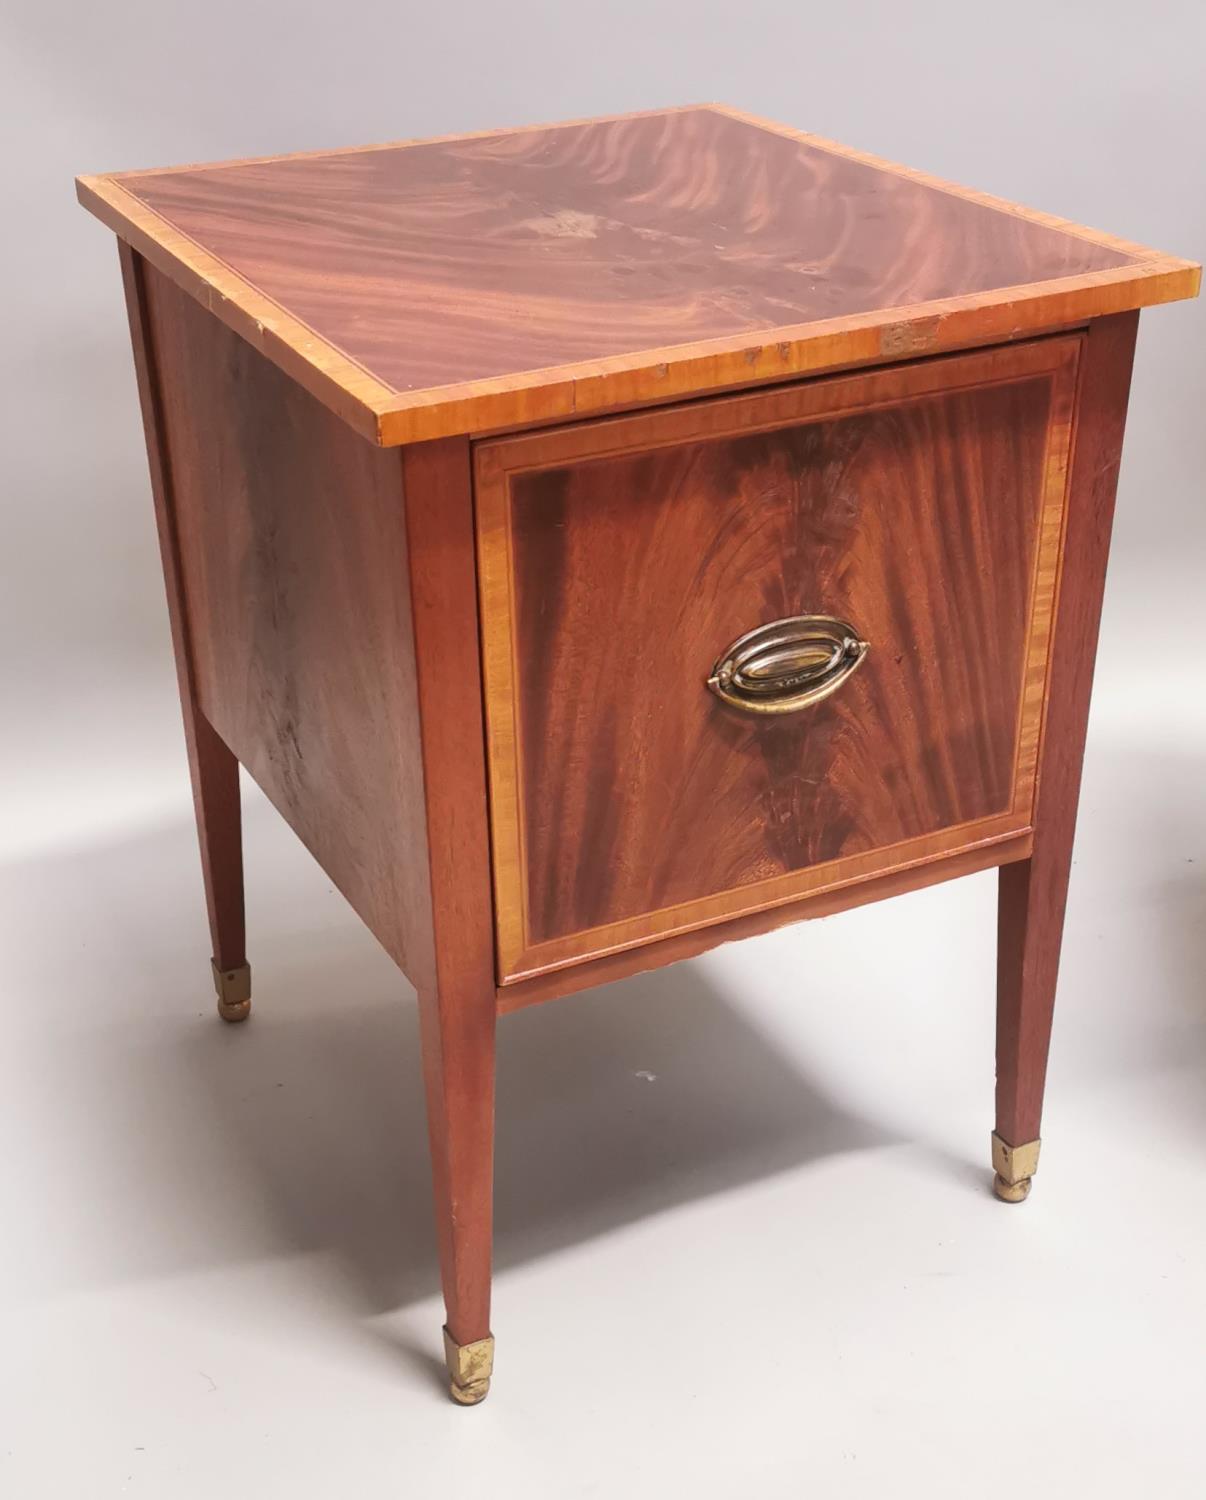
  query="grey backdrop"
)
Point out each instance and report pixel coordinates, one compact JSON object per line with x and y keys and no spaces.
{"x":214,"y":1245}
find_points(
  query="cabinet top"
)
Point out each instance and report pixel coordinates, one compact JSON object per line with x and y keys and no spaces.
{"x":479,"y":282}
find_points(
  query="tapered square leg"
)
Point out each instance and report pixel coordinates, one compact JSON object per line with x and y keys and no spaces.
{"x":215,"y":774}
{"x":453,"y":963}
{"x":1033,"y":892}
{"x":1029,"y":932}
{"x":214,"y":770}
{"x":458,"y":1066}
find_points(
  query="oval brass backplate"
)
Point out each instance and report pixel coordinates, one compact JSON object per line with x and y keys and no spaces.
{"x":782,"y":667}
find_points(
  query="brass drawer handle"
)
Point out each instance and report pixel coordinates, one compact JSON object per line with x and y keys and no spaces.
{"x":784,"y":666}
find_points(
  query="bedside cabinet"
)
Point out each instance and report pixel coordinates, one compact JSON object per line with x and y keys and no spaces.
{"x":605,"y":540}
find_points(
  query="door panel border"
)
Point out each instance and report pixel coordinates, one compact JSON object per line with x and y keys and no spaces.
{"x":497,"y":460}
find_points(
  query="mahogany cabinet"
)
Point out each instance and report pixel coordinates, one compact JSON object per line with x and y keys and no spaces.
{"x":604,"y":540}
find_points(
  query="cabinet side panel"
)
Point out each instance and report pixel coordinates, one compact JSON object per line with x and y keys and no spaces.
{"x":293,"y":560}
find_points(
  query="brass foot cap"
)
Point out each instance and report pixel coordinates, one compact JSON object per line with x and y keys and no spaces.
{"x":1014,"y":1166}
{"x":233,"y":988}
{"x":1011,"y":1192}
{"x":469,"y":1368}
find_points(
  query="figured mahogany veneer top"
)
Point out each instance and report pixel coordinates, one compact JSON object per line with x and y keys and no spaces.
{"x":482,"y":281}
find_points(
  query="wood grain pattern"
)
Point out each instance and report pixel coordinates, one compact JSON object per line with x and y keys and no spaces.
{"x":1033,"y":894}
{"x":499,"y":280}
{"x":435,"y":265}
{"x":213,"y":770}
{"x":922,"y":504}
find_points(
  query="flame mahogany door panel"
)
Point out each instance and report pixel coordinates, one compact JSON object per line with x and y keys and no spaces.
{"x":620,"y":558}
